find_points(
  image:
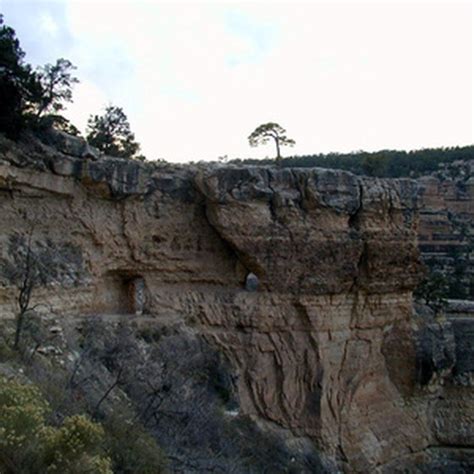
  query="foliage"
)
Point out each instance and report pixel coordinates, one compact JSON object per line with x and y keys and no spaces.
{"x":131,"y":448}
{"x":30,"y":264}
{"x":460,"y":281}
{"x":26,"y":95}
{"x":7,"y":353}
{"x":18,"y":83}
{"x":433,"y":290}
{"x":74,"y":447}
{"x":58,"y":122}
{"x":21,"y":416}
{"x":27,"y":270}
{"x":173,"y":397}
{"x":270,"y":131}
{"x":29,"y":445}
{"x":56,"y":86}
{"x":111,"y":133}
{"x":383,"y":163}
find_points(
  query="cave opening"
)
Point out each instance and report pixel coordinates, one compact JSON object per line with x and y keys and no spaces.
{"x":124,"y":293}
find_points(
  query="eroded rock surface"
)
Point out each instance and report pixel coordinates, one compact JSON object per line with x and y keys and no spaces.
{"x":446,"y":231}
{"x":326,"y":347}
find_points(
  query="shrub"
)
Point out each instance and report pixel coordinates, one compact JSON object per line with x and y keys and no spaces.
{"x":28,"y":445}
{"x":74,"y":447}
{"x":22,"y":413}
{"x":433,"y":290}
{"x":131,"y":448}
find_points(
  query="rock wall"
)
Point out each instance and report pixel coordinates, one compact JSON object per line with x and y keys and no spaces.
{"x":446,"y":231}
{"x":326,"y":347}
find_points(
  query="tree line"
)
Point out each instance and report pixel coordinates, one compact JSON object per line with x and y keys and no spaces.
{"x":34,"y":99}
{"x":383,"y":163}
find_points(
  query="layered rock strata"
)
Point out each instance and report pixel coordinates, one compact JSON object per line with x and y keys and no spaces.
{"x":446,"y":231}
{"x":326,"y":346}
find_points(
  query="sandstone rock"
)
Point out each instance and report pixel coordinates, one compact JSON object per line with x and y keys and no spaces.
{"x":315,"y":231}
{"x":436,"y":351}
{"x":446,"y":232}
{"x":463,"y":329}
{"x":327,"y":348}
{"x":463,"y":308}
{"x":76,"y":147}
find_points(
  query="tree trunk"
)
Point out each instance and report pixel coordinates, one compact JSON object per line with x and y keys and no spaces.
{"x":18,"y":330}
{"x":278,"y":157}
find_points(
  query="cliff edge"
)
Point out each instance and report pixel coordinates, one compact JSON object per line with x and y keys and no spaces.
{"x":302,"y":278}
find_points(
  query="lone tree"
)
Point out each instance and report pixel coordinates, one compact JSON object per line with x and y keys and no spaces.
{"x":270,"y":131}
{"x":111,"y":133}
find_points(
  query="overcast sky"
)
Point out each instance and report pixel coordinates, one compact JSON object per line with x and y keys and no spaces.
{"x":195,"y":79}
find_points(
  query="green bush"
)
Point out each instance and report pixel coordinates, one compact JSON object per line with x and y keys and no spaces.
{"x":7,"y":353}
{"x":433,"y":290}
{"x":28,"y":445}
{"x":74,"y":447}
{"x":22,"y":413}
{"x":131,"y":448}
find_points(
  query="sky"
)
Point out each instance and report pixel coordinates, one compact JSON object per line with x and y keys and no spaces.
{"x":195,"y":78}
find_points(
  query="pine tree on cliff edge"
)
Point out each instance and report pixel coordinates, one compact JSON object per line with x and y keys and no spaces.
{"x":270,"y":131}
{"x":111,"y":133}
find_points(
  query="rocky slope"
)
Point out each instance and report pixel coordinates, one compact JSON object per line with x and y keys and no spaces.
{"x":303,"y":279}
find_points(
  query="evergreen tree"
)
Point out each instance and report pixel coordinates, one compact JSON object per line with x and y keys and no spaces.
{"x":111,"y":133}
{"x":270,"y":131}
{"x":26,"y":95}
{"x":18,"y":83}
{"x":56,"y":86}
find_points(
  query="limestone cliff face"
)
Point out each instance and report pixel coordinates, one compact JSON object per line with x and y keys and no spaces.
{"x":325,"y":348}
{"x":446,"y":231}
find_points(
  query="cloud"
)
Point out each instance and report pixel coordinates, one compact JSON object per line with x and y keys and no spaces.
{"x":195,"y":79}
{"x":88,"y":99}
{"x":48,"y":25}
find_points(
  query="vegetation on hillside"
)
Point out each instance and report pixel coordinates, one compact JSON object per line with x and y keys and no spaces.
{"x":28,"y":96}
{"x":384,"y":163}
{"x":28,"y":443}
{"x":156,"y":397}
{"x":33,"y":99}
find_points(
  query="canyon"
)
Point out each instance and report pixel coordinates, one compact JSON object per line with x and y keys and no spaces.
{"x":302,"y":279}
{"x":446,"y":236}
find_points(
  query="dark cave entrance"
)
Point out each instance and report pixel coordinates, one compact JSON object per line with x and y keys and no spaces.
{"x":124,"y":293}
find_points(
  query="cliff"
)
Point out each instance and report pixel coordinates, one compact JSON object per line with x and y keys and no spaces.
{"x":303,"y":279}
{"x":446,"y":233}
